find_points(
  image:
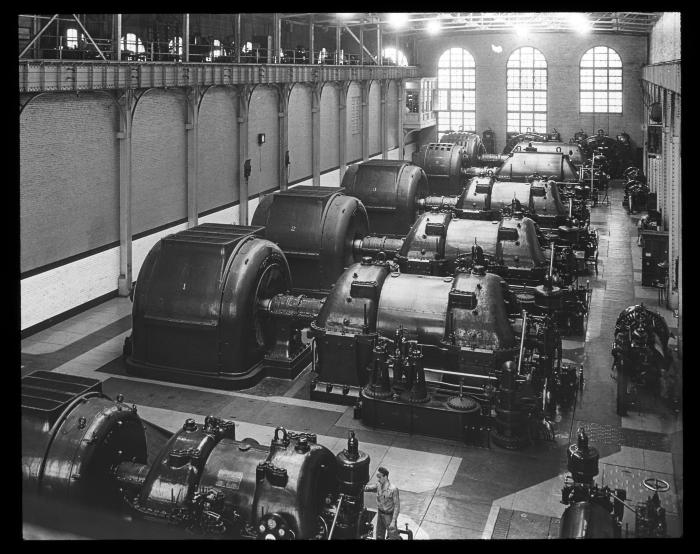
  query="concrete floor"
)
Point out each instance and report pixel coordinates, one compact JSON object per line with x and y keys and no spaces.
{"x":448,"y":490}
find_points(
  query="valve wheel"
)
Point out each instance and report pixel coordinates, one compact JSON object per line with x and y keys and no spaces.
{"x":656,"y":485}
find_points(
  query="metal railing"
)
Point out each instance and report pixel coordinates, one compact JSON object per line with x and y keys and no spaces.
{"x":82,"y":75}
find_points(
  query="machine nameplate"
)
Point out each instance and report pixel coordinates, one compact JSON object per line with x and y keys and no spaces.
{"x":229,"y":479}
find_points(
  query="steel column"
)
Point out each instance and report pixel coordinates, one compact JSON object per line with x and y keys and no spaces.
{"x":283,"y":91}
{"x":379,"y":44}
{"x":316,"y":134}
{"x":192,"y":128}
{"x":400,"y":86}
{"x":383,"y":90}
{"x":364,"y":87}
{"x":342,"y":129}
{"x":243,"y":98}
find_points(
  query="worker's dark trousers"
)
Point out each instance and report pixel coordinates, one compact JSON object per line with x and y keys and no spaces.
{"x":383,"y":521}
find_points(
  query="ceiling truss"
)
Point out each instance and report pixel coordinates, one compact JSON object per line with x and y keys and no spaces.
{"x":622,"y":22}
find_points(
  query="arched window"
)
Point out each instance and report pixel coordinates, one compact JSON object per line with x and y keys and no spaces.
{"x":601,"y":81}
{"x":456,"y":85}
{"x":71,"y":38}
{"x":132,"y":43}
{"x":527,"y":91}
{"x":390,"y":53}
{"x":175,"y":46}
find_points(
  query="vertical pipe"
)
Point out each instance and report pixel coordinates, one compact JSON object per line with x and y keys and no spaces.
{"x":124,"y":136}
{"x":311,"y":39}
{"x":237,"y":38}
{"x":551,"y":260}
{"x":522,"y":341}
{"x":379,"y":44}
{"x":186,"y":37}
{"x":117,"y":36}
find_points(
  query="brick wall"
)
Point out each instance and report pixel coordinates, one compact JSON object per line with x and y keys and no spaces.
{"x":69,"y":193}
{"x":665,"y":39}
{"x":354,"y":123}
{"x":218,"y":165}
{"x":263,"y":118}
{"x":159,"y":160}
{"x":299,"y":132}
{"x":563,"y":53}
{"x":374,"y":119}
{"x":329,"y":127}
{"x":392,"y":116}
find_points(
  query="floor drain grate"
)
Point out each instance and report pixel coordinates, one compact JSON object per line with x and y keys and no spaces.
{"x":610,"y":435}
{"x":500,"y":528}
{"x":647,"y":440}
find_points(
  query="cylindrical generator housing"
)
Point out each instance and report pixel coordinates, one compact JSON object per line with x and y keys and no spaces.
{"x":315,"y":228}
{"x":72,"y":436}
{"x":389,"y":190}
{"x":444,"y":165}
{"x":471,"y":143}
{"x":195,"y":313}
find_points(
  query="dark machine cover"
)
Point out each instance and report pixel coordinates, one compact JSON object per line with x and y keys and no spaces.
{"x":573,"y":150}
{"x":195,"y":299}
{"x":314,"y":227}
{"x":389,"y":190}
{"x":520,"y":165}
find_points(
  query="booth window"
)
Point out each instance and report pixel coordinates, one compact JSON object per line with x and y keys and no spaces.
{"x":175,"y":46}
{"x":391,"y":54}
{"x":601,"y":81}
{"x":133,"y":44}
{"x":71,"y":38}
{"x":456,"y":84}
{"x":526,"y":78}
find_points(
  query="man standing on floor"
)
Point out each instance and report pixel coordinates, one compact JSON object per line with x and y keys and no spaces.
{"x":387,"y":505}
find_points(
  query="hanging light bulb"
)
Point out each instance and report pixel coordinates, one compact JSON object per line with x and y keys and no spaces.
{"x":398,"y":19}
{"x":433,"y":26}
{"x":579,"y":22}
